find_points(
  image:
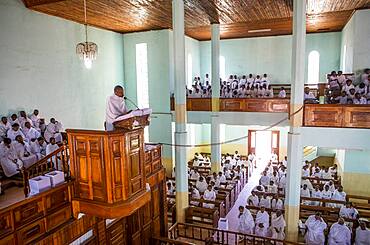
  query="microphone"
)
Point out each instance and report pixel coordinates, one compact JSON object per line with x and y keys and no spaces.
{"x":131,"y":102}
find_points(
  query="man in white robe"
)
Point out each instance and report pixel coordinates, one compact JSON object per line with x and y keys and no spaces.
{"x":30,"y":133}
{"x":305,"y":171}
{"x":263,"y":217}
{"x":9,"y":160}
{"x":246,"y":221}
{"x":50,"y":148}
{"x":315,"y":230}
{"x":38,"y":147}
{"x":201,"y":184}
{"x":23,"y":119}
{"x":14,"y":132}
{"x":264,"y":180}
{"x":339,"y":233}
{"x":194,"y":194}
{"x":4,"y":128}
{"x":52,"y":131}
{"x":209,"y":195}
{"x":13,"y":119}
{"x":348,"y":211}
{"x":305,"y":192}
{"x":326,"y":193}
{"x":362,"y":234}
{"x":35,"y":118}
{"x":116,"y":107}
{"x":194,"y":174}
{"x":316,"y":194}
{"x":339,"y":195}
{"x":277,"y":226}
{"x":277,"y":203}
{"x":253,"y":200}
{"x":265,"y":201}
{"x":23,"y":151}
{"x":272,"y":188}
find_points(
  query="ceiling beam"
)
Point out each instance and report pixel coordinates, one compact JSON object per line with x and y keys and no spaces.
{"x":33,"y":3}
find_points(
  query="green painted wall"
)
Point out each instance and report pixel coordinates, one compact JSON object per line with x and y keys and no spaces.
{"x":272,"y":55}
{"x":40,"y":69}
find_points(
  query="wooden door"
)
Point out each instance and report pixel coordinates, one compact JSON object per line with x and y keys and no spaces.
{"x":252,"y":141}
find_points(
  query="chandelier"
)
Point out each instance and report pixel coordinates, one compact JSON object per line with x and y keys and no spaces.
{"x":87,"y":51}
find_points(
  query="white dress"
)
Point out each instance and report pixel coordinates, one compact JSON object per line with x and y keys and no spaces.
{"x":9,"y":160}
{"x":52,"y":130}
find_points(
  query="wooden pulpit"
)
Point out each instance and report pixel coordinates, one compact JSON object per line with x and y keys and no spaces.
{"x":108,"y":169}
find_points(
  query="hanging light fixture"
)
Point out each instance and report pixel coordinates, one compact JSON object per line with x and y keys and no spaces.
{"x":87,"y":51}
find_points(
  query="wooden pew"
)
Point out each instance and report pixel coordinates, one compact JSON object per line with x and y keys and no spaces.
{"x":204,"y":216}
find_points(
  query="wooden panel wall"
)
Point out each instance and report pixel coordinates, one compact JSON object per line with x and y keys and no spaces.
{"x":344,"y":116}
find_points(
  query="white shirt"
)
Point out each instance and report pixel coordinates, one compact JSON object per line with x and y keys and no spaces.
{"x":339,"y":234}
{"x":51,"y":148}
{"x":305,"y":193}
{"x":115,"y":107}
{"x":13,"y":134}
{"x":253,"y":199}
{"x":362,"y":236}
{"x":4,"y":128}
{"x":31,"y":133}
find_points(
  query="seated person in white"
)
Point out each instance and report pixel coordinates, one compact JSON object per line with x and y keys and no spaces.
{"x":209,"y":195}
{"x":274,"y":178}
{"x":326,"y":193}
{"x":317,"y":173}
{"x":339,"y":195}
{"x":348,"y":211}
{"x":260,"y":230}
{"x":265,"y":201}
{"x":263,"y":217}
{"x":305,"y":171}
{"x":308,"y":183}
{"x":282,"y":93}
{"x":339,"y":233}
{"x":348,"y":86}
{"x":325,"y":174}
{"x":4,"y":128}
{"x":35,"y":118}
{"x":277,"y":226}
{"x":53,"y":130}
{"x":316,"y":193}
{"x":170,"y":189}
{"x":308,"y":95}
{"x":23,"y":119}
{"x":272,"y":188}
{"x":362,"y":234}
{"x":23,"y":151}
{"x":277,"y":203}
{"x":269,"y":92}
{"x":253,"y":200}
{"x":246,"y":221}
{"x":359,"y":99}
{"x":14,"y":132}
{"x":305,"y":192}
{"x":13,"y":119}
{"x":194,"y":174}
{"x":221,"y":177}
{"x":38,"y":147}
{"x":315,"y":230}
{"x":29,"y":132}
{"x":50,"y":148}
{"x":282,"y":183}
{"x":194,"y":194}
{"x":331,"y":185}
{"x":9,"y":160}
{"x":264,"y":180}
{"x":333,"y":170}
{"x":201,"y":184}
{"x":259,"y":188}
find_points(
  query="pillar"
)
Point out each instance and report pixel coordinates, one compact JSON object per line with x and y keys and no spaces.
{"x":180,"y":109}
{"x":215,"y":124}
{"x":295,"y":149}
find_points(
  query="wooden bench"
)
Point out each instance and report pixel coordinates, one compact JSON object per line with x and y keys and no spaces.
{"x":204,"y":216}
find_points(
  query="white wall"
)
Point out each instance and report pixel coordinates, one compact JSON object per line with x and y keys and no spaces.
{"x":40,"y":69}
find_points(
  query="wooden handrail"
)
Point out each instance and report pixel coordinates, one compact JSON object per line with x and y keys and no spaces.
{"x":220,"y":236}
{"x":163,"y":240}
{"x":45,"y":165}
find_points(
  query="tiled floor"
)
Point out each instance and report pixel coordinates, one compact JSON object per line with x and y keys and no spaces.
{"x":242,"y":199}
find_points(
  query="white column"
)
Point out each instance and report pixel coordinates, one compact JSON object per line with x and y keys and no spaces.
{"x":180,"y":109}
{"x":215,"y":125}
{"x":295,"y":149}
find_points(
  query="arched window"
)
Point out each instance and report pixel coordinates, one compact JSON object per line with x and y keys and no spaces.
{"x":190,"y":71}
{"x":222,"y":67}
{"x":313,"y":67}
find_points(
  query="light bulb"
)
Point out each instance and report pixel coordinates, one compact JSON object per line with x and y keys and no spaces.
{"x":88,"y":63}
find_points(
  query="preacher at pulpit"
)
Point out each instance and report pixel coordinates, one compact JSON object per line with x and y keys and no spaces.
{"x":115,"y":107}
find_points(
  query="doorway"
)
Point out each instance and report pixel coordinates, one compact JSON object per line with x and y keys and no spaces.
{"x":263,"y":143}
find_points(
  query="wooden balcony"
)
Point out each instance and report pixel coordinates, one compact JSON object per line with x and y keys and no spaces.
{"x":237,"y":104}
{"x":341,"y":116}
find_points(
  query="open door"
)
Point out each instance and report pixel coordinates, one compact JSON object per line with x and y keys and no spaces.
{"x":275,"y":140}
{"x":251,"y":141}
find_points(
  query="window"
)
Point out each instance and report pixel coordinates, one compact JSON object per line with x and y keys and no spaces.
{"x":344,"y":58}
{"x":222,"y":67}
{"x":142,"y":80}
{"x":313,"y":67}
{"x":190,"y":71}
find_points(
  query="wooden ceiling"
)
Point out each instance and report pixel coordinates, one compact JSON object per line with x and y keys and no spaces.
{"x":237,"y":17}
